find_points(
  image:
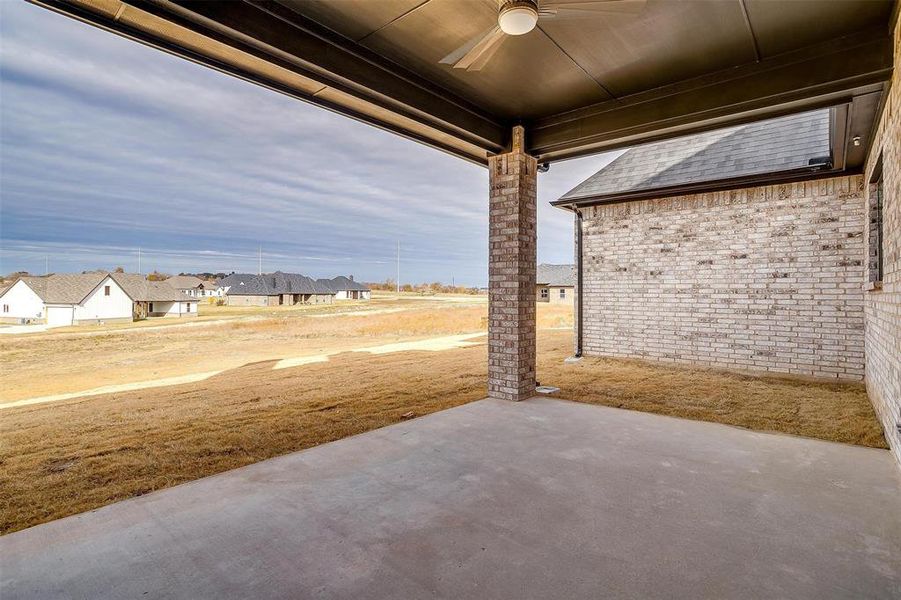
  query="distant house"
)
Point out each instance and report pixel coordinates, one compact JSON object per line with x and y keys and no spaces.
{"x":555,"y":284}
{"x":210,"y":289}
{"x":345,"y":288}
{"x":274,"y":289}
{"x":90,"y":298}
{"x":195,"y":287}
{"x":226,"y":283}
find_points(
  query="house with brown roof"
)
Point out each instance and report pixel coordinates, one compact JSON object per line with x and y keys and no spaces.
{"x":195,"y":287}
{"x":91,"y":298}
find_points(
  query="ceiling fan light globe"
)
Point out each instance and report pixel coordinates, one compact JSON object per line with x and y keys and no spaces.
{"x":517,"y":20}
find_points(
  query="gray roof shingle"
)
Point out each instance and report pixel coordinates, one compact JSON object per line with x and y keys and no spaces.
{"x":184,"y":282}
{"x":140,"y":289}
{"x":343,"y":284}
{"x":556,"y":275}
{"x":64,"y":288}
{"x":235,"y":279}
{"x":73,"y":288}
{"x":272,"y":284}
{"x":771,"y":146}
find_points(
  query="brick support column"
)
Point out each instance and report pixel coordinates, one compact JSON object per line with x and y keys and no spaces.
{"x":512,"y":245}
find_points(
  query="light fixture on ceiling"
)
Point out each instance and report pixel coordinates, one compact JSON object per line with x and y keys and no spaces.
{"x":518,"y":17}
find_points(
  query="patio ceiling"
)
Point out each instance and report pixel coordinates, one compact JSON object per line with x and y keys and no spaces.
{"x":578,"y":85}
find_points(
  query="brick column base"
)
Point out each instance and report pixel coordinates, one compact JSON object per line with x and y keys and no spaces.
{"x":512,"y":243}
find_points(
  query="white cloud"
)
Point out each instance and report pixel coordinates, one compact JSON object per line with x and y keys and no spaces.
{"x":108,"y":145}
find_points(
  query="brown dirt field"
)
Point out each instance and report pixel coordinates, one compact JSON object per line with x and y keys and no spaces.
{"x":70,"y":360}
{"x":64,"y":361}
{"x":66,"y":457}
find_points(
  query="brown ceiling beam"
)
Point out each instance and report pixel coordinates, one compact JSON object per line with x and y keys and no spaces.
{"x":811,"y":78}
{"x":367,"y":87}
{"x":340,"y":63}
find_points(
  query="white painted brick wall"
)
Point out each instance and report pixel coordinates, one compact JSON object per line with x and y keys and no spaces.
{"x":767,"y":278}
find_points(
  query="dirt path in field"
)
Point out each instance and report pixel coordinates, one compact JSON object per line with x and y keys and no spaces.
{"x":70,"y":364}
{"x":22,"y":329}
{"x":57,"y":363}
{"x":204,"y":320}
{"x":359,"y":313}
{"x":112,"y":389}
{"x":435,"y":344}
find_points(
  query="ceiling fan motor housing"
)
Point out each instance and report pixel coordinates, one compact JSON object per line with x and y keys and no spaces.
{"x":517,"y":17}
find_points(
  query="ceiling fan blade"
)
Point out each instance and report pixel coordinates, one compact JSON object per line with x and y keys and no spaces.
{"x":460,"y":52}
{"x":587,"y":7}
{"x":559,"y":14}
{"x":490,"y":51}
{"x":468,"y":56}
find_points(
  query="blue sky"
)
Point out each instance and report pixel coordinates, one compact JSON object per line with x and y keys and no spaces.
{"x":107,"y":146}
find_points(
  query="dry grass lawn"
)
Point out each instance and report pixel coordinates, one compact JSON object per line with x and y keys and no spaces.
{"x":72,"y":456}
{"x":67,"y":457}
{"x":838,"y":412}
{"x":71,"y":360}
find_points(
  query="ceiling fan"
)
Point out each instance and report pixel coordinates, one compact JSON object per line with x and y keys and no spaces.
{"x":518,"y":17}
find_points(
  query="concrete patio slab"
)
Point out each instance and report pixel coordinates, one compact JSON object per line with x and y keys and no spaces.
{"x":539,"y":499}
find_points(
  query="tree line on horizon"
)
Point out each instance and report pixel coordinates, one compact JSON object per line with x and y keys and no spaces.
{"x":390,"y":285}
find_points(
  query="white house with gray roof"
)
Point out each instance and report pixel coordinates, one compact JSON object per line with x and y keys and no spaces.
{"x":91,"y":298}
{"x":345,"y":288}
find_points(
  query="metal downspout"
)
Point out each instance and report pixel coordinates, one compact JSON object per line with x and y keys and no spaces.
{"x":578,"y":353}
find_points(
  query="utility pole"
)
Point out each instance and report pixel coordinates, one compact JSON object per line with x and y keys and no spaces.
{"x":398,"y":266}
{"x":46,"y":265}
{"x":260,"y":267}
{"x":140,"y":272}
